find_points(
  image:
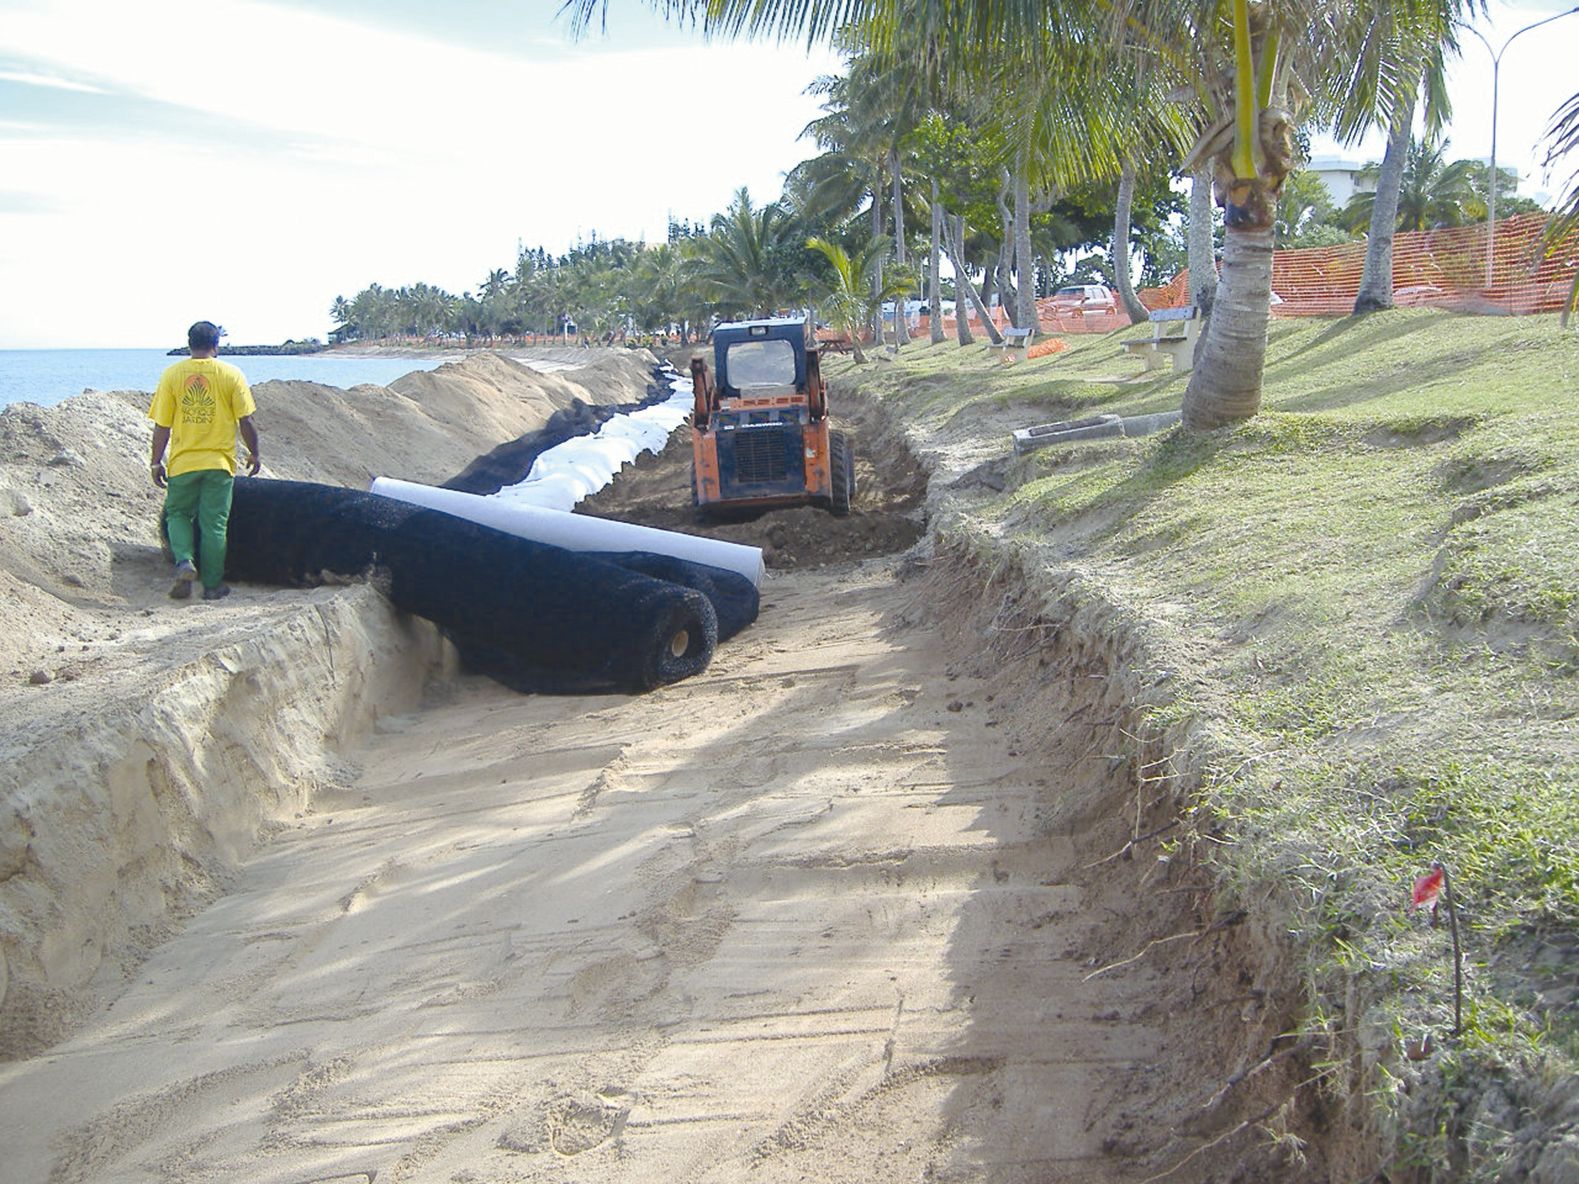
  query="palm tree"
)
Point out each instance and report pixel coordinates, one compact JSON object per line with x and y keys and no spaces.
{"x":962,"y":156}
{"x":1121,"y":251}
{"x":1202,"y":242}
{"x":1376,"y":278}
{"x":1390,"y":68}
{"x":1303,"y":203}
{"x":859,"y":286}
{"x":654,"y":290}
{"x":344,"y":316}
{"x":750,"y":261}
{"x":1432,"y":192}
{"x":856,"y":135}
{"x":1563,"y":138}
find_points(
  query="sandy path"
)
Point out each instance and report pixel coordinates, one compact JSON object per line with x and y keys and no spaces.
{"x":797,"y":919}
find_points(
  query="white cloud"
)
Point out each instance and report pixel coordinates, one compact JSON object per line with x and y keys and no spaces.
{"x":49,"y":81}
{"x":359,"y":154}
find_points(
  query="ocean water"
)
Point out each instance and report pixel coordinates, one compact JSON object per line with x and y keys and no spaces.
{"x":47,"y":376}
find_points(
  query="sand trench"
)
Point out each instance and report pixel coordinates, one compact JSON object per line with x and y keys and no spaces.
{"x":842,"y":908}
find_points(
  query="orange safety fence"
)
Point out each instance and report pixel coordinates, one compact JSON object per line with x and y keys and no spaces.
{"x":1053,"y":345}
{"x":1443,"y":268}
{"x":1051,"y":320}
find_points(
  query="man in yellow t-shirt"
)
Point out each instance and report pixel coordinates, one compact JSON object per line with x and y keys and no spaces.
{"x":197,"y":409}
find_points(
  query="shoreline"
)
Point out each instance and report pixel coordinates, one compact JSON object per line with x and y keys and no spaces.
{"x":50,"y":377}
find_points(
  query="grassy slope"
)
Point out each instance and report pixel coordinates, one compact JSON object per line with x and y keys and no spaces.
{"x":1380,"y":579}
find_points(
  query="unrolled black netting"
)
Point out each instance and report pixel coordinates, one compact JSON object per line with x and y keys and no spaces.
{"x":533,"y":616}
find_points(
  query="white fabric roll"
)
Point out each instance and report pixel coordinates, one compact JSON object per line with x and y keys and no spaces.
{"x":564,"y":474}
{"x":575,"y":532}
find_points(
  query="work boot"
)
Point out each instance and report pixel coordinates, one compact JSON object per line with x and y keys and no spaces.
{"x":185,"y":573}
{"x":217,"y":592}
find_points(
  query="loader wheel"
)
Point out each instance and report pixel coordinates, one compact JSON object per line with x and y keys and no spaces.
{"x":841,"y":459}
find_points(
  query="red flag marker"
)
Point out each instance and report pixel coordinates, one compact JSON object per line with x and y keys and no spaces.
{"x":1427,"y":888}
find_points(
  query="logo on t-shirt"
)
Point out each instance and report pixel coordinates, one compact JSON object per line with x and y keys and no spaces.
{"x":197,"y":401}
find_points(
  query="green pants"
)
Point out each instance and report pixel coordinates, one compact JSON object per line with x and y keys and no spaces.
{"x":197,"y":513}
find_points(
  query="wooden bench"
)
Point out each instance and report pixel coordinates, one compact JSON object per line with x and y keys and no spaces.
{"x":1173,"y":335}
{"x":1019,"y":339}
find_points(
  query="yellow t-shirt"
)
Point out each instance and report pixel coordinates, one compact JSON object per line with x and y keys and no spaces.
{"x":200,"y":400}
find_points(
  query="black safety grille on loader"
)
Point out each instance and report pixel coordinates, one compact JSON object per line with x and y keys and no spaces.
{"x":761,"y":455}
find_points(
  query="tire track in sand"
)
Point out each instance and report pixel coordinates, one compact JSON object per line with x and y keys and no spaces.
{"x":800,"y":918}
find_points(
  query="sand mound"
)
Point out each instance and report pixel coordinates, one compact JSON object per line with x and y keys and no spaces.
{"x":144,"y":742}
{"x":430,"y":424}
{"x":887,"y":514}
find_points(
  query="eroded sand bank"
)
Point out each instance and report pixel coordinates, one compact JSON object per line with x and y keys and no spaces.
{"x":144,"y":742}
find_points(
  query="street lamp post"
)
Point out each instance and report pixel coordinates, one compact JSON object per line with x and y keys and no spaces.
{"x":1496,"y":66}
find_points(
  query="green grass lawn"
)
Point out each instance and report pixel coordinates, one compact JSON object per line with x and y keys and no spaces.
{"x":1378,"y":578}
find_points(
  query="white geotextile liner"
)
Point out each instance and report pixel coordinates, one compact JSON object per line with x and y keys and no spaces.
{"x":576,"y":532}
{"x":538,"y":507}
{"x":578,"y":468}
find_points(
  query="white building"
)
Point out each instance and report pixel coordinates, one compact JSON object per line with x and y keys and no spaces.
{"x":1337,"y":174}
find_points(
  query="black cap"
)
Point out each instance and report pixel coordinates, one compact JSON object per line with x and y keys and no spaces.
{"x":204,"y":335}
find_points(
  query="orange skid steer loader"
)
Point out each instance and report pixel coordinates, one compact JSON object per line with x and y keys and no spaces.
{"x":760,"y":436}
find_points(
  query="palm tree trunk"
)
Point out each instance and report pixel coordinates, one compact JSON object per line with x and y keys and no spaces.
{"x":1024,"y":261}
{"x":1203,"y":256}
{"x":877,"y":276}
{"x":1376,"y":281}
{"x":961,"y":309}
{"x":934,"y":285}
{"x":901,"y":326}
{"x":1005,"y":264}
{"x":954,"y":245}
{"x":1121,"y":261}
{"x":1226,"y":383}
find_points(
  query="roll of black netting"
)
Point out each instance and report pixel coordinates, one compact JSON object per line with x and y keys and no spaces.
{"x":734,"y":598}
{"x":533,"y":616}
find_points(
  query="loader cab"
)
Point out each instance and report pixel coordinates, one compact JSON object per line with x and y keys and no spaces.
{"x":760,"y":434}
{"x":760,"y":358}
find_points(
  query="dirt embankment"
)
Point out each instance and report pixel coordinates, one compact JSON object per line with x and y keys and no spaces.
{"x":887,"y":514}
{"x":144,"y":742}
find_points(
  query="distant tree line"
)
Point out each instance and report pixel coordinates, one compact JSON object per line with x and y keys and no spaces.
{"x":903,"y":189}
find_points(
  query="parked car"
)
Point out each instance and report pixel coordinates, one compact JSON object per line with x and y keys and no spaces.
{"x":1084,"y":298}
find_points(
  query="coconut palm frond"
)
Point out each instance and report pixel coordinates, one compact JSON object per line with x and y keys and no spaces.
{"x":1562,"y":140}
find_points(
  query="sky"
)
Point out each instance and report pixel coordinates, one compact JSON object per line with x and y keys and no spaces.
{"x":1539,"y":71}
{"x":246,"y":161}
